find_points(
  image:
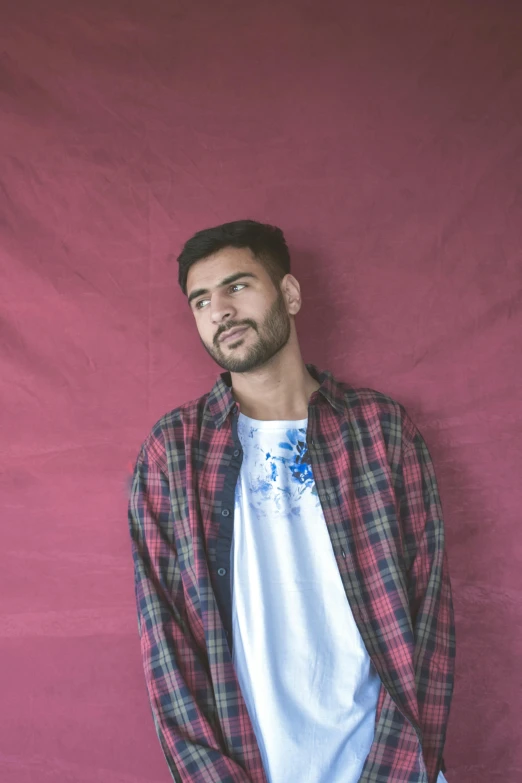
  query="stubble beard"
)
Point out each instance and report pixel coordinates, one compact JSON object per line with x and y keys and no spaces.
{"x":273,"y":336}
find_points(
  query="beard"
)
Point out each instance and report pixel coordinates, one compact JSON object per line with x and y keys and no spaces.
{"x":273,"y":335}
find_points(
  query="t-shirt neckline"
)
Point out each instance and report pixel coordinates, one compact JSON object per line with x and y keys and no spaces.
{"x":274,"y":424}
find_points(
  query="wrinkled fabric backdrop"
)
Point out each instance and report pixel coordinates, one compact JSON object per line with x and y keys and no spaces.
{"x":385,"y":139}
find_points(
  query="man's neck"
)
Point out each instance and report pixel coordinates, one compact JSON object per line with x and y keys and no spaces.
{"x":275,"y":395}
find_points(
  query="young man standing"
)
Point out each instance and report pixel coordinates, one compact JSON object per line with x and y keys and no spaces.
{"x":293,"y":595}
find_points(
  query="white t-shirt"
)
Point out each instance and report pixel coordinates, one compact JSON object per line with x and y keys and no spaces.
{"x":308,"y":682}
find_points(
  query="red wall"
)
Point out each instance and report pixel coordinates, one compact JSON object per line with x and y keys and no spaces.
{"x":386,"y":140}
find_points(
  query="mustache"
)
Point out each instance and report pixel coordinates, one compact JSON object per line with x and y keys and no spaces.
{"x":233,"y":326}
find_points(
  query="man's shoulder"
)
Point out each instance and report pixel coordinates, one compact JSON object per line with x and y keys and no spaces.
{"x":172,"y":429}
{"x":188,"y":411}
{"x":376,"y":409}
{"x":367,"y":399}
{"x":378,"y":414}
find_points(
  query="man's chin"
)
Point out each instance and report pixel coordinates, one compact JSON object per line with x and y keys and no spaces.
{"x":237,"y":366}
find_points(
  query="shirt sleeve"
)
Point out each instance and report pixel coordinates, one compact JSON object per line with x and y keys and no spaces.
{"x":430,"y":597}
{"x":176,"y":667}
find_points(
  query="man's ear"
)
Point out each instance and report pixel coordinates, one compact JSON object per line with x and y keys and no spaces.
{"x":292,"y":293}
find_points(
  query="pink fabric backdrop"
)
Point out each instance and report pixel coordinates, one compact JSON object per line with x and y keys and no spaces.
{"x":385,"y":139}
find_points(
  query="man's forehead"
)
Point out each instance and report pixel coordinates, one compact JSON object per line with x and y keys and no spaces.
{"x":211,"y":270}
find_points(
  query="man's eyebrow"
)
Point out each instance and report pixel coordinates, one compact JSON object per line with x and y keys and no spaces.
{"x":226,"y":281}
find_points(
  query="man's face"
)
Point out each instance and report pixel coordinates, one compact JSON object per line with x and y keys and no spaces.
{"x":249,"y":300}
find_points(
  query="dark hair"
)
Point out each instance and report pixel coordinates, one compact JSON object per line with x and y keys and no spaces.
{"x":266,"y":242}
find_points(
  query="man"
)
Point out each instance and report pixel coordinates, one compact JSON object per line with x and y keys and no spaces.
{"x":294,"y":602}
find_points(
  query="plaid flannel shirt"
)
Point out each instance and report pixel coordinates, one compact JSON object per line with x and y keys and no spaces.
{"x":378,"y":491}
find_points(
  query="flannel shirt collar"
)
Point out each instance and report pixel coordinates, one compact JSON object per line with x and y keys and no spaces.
{"x":221,"y":400}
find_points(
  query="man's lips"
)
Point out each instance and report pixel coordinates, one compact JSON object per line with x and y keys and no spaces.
{"x":232,"y":333}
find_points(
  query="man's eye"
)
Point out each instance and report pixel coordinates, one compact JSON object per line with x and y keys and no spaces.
{"x":234,"y":285}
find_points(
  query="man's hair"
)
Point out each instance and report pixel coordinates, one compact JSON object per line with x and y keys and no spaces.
{"x":266,"y":242}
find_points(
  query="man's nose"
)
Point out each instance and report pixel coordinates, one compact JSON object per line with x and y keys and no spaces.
{"x":221,"y":311}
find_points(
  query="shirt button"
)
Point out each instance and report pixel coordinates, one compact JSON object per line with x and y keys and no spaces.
{"x":236,"y":453}
{"x":222,"y":571}
{"x":225,"y":512}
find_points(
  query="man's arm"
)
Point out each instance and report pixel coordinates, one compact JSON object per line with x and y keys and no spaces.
{"x":176,"y":669}
{"x":430,"y":595}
